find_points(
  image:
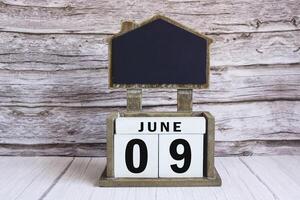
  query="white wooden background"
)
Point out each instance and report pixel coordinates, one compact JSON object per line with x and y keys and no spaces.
{"x":54,"y":95}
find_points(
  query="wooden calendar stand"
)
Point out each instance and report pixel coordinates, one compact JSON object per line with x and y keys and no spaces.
{"x":160,"y":53}
{"x":184,"y":108}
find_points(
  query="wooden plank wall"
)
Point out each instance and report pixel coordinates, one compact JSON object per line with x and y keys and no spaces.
{"x":54,"y":95}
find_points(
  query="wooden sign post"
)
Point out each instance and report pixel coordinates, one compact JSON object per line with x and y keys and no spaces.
{"x":159,"y":148}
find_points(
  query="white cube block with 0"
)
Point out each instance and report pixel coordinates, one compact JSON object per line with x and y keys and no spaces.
{"x":181,"y":155}
{"x":136,"y":156}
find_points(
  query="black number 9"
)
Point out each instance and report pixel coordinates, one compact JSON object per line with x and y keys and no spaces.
{"x":186,"y":155}
{"x":143,"y":156}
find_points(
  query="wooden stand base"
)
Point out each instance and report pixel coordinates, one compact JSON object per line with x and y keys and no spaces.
{"x":159,"y":182}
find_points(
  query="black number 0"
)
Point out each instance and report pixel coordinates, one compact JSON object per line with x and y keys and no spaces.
{"x":186,"y":155}
{"x":143,"y":156}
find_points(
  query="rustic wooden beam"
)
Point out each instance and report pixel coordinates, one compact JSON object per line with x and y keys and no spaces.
{"x":134,"y":99}
{"x":184,"y":100}
{"x":209,"y":151}
{"x":127,"y":26}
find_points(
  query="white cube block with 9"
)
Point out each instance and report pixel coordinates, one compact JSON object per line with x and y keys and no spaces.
{"x":181,"y":155}
{"x":136,"y":155}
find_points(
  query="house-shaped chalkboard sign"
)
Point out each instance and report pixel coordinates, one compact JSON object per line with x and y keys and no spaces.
{"x":159,"y":53}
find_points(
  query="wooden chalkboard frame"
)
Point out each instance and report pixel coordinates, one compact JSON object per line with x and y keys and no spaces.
{"x":171,"y":86}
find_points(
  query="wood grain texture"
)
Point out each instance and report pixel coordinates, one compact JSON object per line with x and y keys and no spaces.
{"x":89,"y":87}
{"x":222,"y":148}
{"x":261,"y":178}
{"x":54,"y":95}
{"x":29,"y":178}
{"x":276,"y":178}
{"x":82,"y":177}
{"x":53,"y":52}
{"x":54,"y":149}
{"x":291,"y":169}
{"x":241,"y":180}
{"x":97,"y":16}
{"x":234,"y":122}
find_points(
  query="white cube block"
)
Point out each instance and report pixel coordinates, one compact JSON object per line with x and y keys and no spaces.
{"x":181,"y":155}
{"x":136,"y":156}
{"x":158,"y":125}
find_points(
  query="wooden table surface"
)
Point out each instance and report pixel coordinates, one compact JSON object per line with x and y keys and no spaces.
{"x":273,"y":177}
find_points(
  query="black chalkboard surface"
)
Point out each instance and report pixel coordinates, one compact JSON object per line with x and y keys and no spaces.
{"x":159,"y":53}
